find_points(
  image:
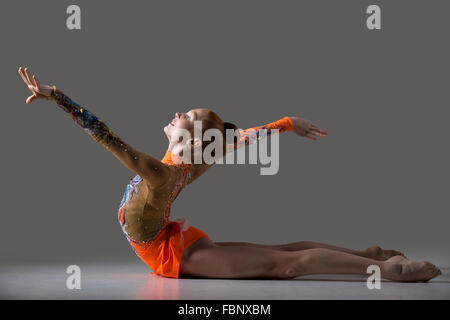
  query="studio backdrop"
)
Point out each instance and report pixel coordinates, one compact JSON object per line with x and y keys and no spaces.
{"x":380,"y":177}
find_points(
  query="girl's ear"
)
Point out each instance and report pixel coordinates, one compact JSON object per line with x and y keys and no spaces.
{"x":195,"y":143}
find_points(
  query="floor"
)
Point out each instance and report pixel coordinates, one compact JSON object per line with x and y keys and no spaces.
{"x":133,"y":281}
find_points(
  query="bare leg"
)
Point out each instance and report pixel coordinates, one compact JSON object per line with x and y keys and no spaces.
{"x":374,"y":252}
{"x":208,"y":260}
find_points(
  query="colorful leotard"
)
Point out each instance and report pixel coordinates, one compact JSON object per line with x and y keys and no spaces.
{"x":163,"y":254}
{"x":163,"y":251}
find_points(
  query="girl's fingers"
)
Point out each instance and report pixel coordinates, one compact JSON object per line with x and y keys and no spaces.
{"x":23,"y":76}
{"x":323,"y":132}
{"x":27,"y":73}
{"x":31,"y":98}
{"x":314,"y":133}
{"x":26,"y":76}
{"x":318,"y":133}
{"x":36,"y":83}
{"x":311,"y":136}
{"x":316,"y":128}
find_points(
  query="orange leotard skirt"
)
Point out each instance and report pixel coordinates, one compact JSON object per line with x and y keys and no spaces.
{"x":164,"y":253}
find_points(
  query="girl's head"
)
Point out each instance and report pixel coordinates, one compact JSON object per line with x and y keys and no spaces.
{"x":181,"y":135}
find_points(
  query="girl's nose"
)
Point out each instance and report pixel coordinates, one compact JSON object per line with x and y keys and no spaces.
{"x":177,"y":115}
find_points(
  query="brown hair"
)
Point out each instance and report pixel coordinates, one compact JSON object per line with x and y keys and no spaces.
{"x":212,"y":120}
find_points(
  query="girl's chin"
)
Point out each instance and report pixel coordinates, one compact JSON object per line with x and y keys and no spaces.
{"x":166,"y":130}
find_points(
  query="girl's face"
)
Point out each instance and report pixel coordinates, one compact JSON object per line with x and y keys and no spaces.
{"x":184,"y":122}
{"x":181,"y":121}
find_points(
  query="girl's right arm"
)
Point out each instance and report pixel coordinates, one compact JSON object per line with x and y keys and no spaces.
{"x":149,"y":168}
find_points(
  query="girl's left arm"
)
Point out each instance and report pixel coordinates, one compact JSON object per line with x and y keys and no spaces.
{"x":301,"y":127}
{"x":250,"y":135}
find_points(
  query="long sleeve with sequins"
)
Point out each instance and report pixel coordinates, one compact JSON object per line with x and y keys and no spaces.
{"x":251,"y":135}
{"x":96,"y":128}
{"x":142,"y":164}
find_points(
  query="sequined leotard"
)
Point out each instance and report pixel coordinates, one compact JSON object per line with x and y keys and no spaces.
{"x":163,"y":251}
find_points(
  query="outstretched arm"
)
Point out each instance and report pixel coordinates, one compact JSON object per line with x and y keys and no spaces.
{"x":301,"y":127}
{"x":149,"y":168}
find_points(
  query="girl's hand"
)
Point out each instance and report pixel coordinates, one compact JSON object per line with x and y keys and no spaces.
{"x":305,"y":128}
{"x":39,"y":91}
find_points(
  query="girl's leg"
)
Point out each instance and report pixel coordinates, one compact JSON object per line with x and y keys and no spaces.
{"x":208,"y":260}
{"x":374,"y":252}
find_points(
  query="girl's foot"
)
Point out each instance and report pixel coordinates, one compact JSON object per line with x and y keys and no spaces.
{"x":376,"y":253}
{"x":398,"y":268}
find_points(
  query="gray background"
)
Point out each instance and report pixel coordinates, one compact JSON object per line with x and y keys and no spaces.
{"x":380,"y":177}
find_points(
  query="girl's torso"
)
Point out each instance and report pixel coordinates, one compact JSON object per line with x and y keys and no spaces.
{"x":144,"y":211}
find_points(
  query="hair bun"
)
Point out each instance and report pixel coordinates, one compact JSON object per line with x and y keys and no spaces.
{"x":229,"y":125}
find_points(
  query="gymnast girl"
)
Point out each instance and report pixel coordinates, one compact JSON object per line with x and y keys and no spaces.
{"x":172,"y":248}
